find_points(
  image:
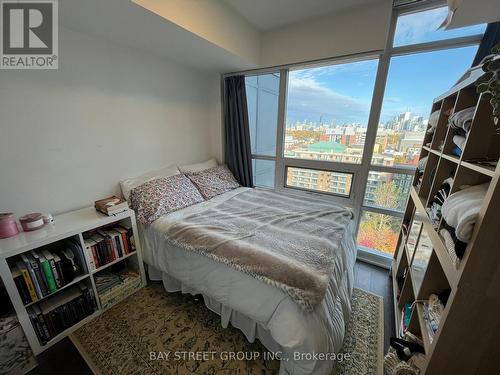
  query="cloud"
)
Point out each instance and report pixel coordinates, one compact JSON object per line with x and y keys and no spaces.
{"x":360,"y":67}
{"x":417,"y":27}
{"x":393,"y":99}
{"x":310,"y":100}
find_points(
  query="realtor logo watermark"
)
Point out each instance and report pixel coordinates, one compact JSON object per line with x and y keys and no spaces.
{"x":29,"y":34}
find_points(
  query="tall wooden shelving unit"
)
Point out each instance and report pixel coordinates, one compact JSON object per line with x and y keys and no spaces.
{"x":466,"y":341}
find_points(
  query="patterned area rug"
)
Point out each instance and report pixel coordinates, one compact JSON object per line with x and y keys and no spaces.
{"x":135,"y":337}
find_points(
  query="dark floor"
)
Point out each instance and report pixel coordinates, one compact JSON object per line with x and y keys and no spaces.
{"x":63,"y":358}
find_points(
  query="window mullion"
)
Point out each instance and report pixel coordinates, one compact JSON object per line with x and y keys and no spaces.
{"x":376,"y":107}
{"x":279,"y":178}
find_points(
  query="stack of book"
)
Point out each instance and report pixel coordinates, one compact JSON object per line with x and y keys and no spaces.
{"x":106,"y":245}
{"x":113,"y":287}
{"x":60,"y":312}
{"x":111,"y":205}
{"x":39,"y":273}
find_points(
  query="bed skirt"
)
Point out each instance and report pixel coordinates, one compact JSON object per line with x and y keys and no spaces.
{"x":250,"y":328}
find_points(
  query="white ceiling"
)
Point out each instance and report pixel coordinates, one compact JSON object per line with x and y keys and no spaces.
{"x":266,"y":15}
{"x":130,"y":25}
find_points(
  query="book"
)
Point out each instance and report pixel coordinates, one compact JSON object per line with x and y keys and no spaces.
{"x":112,"y":252}
{"x":123,"y":234}
{"x":27,"y":279}
{"x":130,"y":235}
{"x":47,"y":271}
{"x":21,"y":284}
{"x":89,"y":244}
{"x":39,"y":272}
{"x":51,"y":259}
{"x":35,"y":274}
{"x":115,"y":236}
{"x":111,"y":205}
{"x":59,"y":268}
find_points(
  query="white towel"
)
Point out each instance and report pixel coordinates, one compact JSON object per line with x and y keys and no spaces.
{"x":460,"y":210}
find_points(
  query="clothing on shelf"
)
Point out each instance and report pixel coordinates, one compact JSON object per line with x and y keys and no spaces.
{"x":433,"y":120}
{"x":422,"y":163}
{"x":457,"y":151}
{"x":462,"y":120}
{"x":449,"y":242}
{"x":460,"y":123}
{"x":434,"y":210}
{"x":456,"y":246}
{"x":433,"y":310}
{"x":459,"y":140}
{"x":460,"y":210}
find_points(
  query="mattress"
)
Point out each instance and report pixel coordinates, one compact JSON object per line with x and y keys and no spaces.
{"x":258,"y":309}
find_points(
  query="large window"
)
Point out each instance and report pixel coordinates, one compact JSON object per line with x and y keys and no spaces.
{"x":320,"y":135}
{"x":327,"y":111}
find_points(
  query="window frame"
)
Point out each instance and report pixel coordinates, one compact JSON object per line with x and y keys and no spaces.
{"x":346,"y":196}
{"x":361,"y":171}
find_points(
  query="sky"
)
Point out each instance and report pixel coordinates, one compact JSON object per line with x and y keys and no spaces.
{"x":342,"y":93}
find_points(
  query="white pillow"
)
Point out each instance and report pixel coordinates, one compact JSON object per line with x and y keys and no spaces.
{"x":130,"y":183}
{"x":192,"y":168}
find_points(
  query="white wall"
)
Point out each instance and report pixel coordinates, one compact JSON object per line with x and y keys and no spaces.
{"x":355,"y":30}
{"x":68,"y":136}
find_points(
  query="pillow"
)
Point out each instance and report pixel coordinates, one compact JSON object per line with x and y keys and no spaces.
{"x":128,"y":184}
{"x":214,"y":181}
{"x":160,"y":196}
{"x":191,"y":168}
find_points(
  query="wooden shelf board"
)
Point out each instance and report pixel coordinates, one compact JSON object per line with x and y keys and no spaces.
{"x":113,"y":262}
{"x":75,"y":281}
{"x":453,"y":158}
{"x":488,"y":171}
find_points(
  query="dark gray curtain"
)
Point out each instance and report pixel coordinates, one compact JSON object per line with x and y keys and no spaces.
{"x":490,"y":39}
{"x":237,"y":132}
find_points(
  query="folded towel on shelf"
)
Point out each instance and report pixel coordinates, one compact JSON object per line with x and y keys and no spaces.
{"x":461,"y":208}
{"x":462,"y":119}
{"x":459,"y":141}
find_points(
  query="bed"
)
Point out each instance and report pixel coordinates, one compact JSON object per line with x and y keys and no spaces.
{"x":260,"y":309}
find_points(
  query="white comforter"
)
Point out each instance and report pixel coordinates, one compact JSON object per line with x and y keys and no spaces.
{"x":258,"y":309}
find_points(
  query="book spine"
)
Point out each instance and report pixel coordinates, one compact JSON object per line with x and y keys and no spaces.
{"x":118,"y":246}
{"x":39,"y":277}
{"x":47,"y":270}
{"x":34,"y":278}
{"x":23,"y":289}
{"x":94,"y":256}
{"x":60,"y":272}
{"x":57,"y":278}
{"x":29,"y":284}
{"x":125,"y":242}
{"x":90,"y":255}
{"x":37,"y":326}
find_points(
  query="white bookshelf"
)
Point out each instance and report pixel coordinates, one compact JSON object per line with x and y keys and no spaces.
{"x":69,"y":225}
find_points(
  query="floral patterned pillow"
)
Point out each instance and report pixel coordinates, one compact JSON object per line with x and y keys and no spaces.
{"x":161,"y":196}
{"x":214,"y":181}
